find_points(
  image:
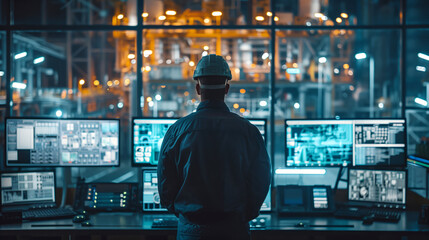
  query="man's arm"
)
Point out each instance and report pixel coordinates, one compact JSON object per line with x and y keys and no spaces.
{"x":259,"y":175}
{"x":168,"y":183}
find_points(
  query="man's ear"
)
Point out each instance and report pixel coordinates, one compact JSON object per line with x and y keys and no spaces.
{"x":198,"y":89}
{"x":226,"y":88}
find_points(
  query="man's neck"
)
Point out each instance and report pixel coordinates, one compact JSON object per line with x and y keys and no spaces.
{"x":212,"y":99}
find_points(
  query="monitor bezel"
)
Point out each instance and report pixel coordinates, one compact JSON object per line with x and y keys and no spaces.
{"x":32,"y":203}
{"x":143,"y":170}
{"x":352,"y":164}
{"x":133,"y":163}
{"x":7,"y":165}
{"x":375,"y":203}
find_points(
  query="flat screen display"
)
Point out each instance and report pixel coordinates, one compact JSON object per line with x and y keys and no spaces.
{"x":62,"y":142}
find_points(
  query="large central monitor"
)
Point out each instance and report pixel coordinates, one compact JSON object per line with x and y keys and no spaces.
{"x":358,"y":142}
{"x":34,"y":142}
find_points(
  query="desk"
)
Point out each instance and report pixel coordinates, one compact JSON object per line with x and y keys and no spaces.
{"x":111,"y":226}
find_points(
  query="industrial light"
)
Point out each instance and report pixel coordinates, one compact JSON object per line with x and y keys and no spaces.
{"x":296,"y":105}
{"x":421,"y":69}
{"x":319,"y":15}
{"x":145,"y":14}
{"x":206,"y":20}
{"x":158,"y":97}
{"x":147,"y":53}
{"x":109,"y":83}
{"x":346,"y":66}
{"x":336,"y":70}
{"x":81,"y":81}
{"x":162,"y":18}
{"x":359,"y":56}
{"x":269,"y":14}
{"x":120,"y":16}
{"x":263,"y":103}
{"x":191,"y":63}
{"x":314,"y":171}
{"x":295,"y":65}
{"x":235,"y":106}
{"x":168,"y":61}
{"x":127,"y":81}
{"x":216,"y":13}
{"x":293,"y":70}
{"x":20,"y":55}
{"x":339,"y":20}
{"x":265,"y":55}
{"x":276,"y":19}
{"x":131,"y":56}
{"x":344,"y":15}
{"x":242,"y":91}
{"x":420,"y":55}
{"x":205,"y":53}
{"x":38,"y":60}
{"x":59,"y":113}
{"x":116,"y":82}
{"x":421,"y":101}
{"x":18,"y":85}
{"x":242,"y":110}
{"x":323,"y":60}
{"x":120,"y":104}
{"x":206,"y":47}
{"x":151,"y":104}
{"x":1,"y":73}
{"x":170,"y":13}
{"x":381,"y":105}
{"x":149,"y":99}
{"x":259,"y":18}
{"x":96,"y":82}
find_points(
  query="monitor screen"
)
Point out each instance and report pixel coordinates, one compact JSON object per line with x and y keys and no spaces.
{"x":345,"y":142}
{"x":148,"y":134}
{"x":377,"y":186}
{"x":320,"y":198}
{"x":62,"y":142}
{"x":261,"y":124}
{"x":27,"y":188}
{"x":151,"y":200}
{"x":108,"y":196}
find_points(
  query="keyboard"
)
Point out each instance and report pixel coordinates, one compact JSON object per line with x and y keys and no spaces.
{"x":165,"y":222}
{"x":47,"y":213}
{"x":379,"y":214}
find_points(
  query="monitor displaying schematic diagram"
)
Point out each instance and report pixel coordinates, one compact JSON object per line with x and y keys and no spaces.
{"x":358,"y":142}
{"x":62,"y":142}
{"x":379,"y":187}
{"x":148,"y":134}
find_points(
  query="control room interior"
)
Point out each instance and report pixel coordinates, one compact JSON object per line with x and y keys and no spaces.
{"x":338,"y":89}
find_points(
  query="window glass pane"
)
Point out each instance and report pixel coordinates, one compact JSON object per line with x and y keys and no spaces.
{"x":2,"y":137}
{"x":417,"y":12}
{"x":337,"y":12}
{"x":418,"y":132}
{"x":3,"y":12}
{"x":170,"y":57}
{"x":417,"y":68}
{"x":3,"y":68}
{"x":88,"y":12}
{"x":209,"y":13}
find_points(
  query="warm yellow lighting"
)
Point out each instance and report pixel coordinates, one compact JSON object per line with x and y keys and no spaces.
{"x":149,"y":99}
{"x":147,"y":53}
{"x":162,"y":18}
{"x":242,"y":91}
{"x":276,"y":19}
{"x":259,"y":18}
{"x":339,"y":20}
{"x":242,"y":110}
{"x":191,"y":63}
{"x":216,"y":13}
{"x":269,"y":14}
{"x":170,"y":13}
{"x":206,"y":48}
{"x":120,"y":16}
{"x":186,"y":93}
{"x":109,"y":83}
{"x":96,"y":82}
{"x":147,"y":68}
{"x":145,"y":14}
{"x":344,"y":15}
{"x":346,"y":66}
{"x":127,"y":81}
{"x":237,"y":70}
{"x":81,"y":82}
{"x":116,"y":82}
{"x":207,"y":20}
{"x":131,"y":56}
{"x":295,"y":65}
{"x":162,"y":86}
{"x":319,"y":15}
{"x":235,"y":106}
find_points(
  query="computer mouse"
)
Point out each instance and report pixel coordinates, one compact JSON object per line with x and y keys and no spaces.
{"x":368,"y":220}
{"x":86,"y":224}
{"x":79,"y":218}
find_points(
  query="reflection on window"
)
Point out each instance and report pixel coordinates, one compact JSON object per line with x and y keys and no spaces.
{"x":170,"y":57}
{"x":72,"y":74}
{"x":323,"y":74}
{"x":208,"y":13}
{"x":2,"y":68}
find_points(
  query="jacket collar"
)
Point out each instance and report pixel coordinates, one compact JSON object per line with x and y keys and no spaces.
{"x":213,"y":104}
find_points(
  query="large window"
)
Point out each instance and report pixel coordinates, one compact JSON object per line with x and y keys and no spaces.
{"x":289,"y":59}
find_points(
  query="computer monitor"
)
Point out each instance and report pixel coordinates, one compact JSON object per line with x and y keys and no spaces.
{"x":261,"y":124}
{"x":147,"y":136}
{"x":382,"y":188}
{"x":34,"y":142}
{"x":358,"y":142}
{"x":23,"y":190}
